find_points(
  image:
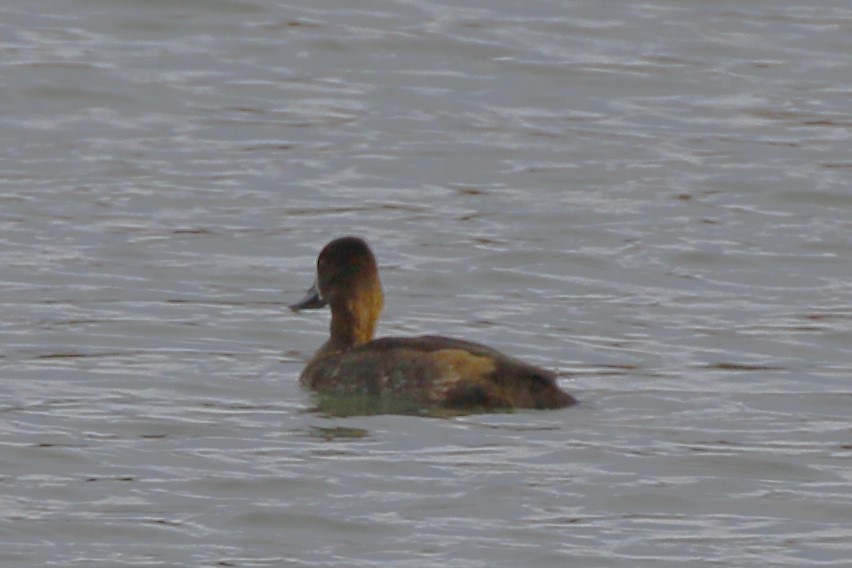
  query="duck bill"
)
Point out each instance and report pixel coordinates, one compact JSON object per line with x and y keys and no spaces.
{"x":313,"y":300}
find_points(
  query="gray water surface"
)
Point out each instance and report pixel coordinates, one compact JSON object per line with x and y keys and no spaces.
{"x":652,"y":198}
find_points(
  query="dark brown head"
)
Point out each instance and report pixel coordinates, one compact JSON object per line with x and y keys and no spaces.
{"x":348,"y":281}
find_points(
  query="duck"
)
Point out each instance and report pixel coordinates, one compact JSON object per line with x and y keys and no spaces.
{"x":428,"y":371}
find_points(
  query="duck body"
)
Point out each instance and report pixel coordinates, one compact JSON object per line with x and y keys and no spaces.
{"x":417,"y":372}
{"x":433,"y":370}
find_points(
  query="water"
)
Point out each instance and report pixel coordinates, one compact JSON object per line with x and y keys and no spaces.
{"x":652,"y":198}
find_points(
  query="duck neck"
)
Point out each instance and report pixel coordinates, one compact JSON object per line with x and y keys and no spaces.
{"x":352,"y":326}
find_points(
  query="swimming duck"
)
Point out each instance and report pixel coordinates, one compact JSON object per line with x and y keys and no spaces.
{"x":426,"y":371}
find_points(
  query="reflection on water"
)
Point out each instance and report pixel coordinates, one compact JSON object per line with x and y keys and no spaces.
{"x":654,"y":201}
{"x":342,"y":405}
{"x":329,"y":434}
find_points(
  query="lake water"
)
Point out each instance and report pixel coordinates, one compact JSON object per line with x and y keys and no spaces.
{"x":652,"y":198}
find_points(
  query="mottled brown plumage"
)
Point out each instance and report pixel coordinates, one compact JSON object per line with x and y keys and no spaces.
{"x":422,"y":371}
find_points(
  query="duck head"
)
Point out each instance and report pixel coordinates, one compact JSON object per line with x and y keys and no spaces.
{"x":347,"y":281}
